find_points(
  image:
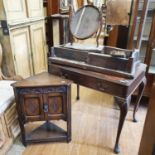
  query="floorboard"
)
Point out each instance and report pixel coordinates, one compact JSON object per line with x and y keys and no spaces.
{"x":94,"y":127}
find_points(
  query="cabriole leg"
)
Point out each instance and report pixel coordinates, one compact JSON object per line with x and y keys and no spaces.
{"x":123,"y":105}
{"x":140,"y":93}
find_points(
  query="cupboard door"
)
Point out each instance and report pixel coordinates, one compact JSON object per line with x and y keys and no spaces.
{"x":20,"y":43}
{"x":56,"y":105}
{"x":39,"y":53}
{"x":35,"y":8}
{"x":32,"y":107}
{"x":15,"y":10}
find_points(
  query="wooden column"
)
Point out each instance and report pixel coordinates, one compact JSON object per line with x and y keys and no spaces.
{"x":142,"y":24}
{"x":151,"y":44}
{"x":133,"y":24}
{"x":147,"y":146}
{"x":52,"y":7}
{"x":80,"y":3}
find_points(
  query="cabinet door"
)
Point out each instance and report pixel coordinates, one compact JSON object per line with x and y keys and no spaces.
{"x":35,"y":8}
{"x":15,"y":10}
{"x":20,"y":43}
{"x":37,"y":32}
{"x":56,"y":105}
{"x":32,"y":107}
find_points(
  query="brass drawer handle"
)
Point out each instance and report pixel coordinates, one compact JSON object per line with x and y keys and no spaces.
{"x":66,"y":76}
{"x":102,"y":87}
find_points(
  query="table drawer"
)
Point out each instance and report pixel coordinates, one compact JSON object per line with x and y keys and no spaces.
{"x":89,"y":80}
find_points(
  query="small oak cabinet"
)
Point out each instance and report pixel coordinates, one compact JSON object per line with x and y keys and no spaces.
{"x":44,"y":97}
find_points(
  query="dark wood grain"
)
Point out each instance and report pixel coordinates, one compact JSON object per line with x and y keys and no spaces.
{"x":99,"y":60}
{"x":147,"y":144}
{"x":42,"y":79}
{"x":52,"y":7}
{"x":43,"y":97}
{"x":124,"y":106}
{"x":119,"y":87}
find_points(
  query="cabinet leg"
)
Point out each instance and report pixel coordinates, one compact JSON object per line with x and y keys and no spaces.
{"x":69,"y":120}
{"x":124,"y":106}
{"x":140,"y":93}
{"x":68,"y":131}
{"x":22,"y":132}
{"x":78,"y":92}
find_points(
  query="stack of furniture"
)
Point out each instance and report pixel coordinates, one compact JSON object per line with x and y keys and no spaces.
{"x":9,"y":127}
{"x":23,"y":37}
{"x":99,"y":67}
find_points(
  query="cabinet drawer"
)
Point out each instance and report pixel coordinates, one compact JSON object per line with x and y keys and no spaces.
{"x":14,"y":129}
{"x":2,"y":135}
{"x":10,"y":114}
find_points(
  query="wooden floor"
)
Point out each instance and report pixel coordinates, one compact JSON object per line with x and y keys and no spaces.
{"x":94,"y":126}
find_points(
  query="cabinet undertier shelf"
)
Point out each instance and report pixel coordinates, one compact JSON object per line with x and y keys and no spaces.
{"x":45,"y":132}
{"x":151,"y":70}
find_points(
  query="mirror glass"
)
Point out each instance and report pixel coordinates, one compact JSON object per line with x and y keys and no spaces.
{"x":85,"y":22}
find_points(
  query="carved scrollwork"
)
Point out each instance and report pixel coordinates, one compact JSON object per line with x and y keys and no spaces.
{"x":42,"y":90}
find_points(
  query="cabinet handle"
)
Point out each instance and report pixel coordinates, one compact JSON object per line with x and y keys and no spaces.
{"x":65,"y":75}
{"x":102,"y":87}
{"x":45,"y":107}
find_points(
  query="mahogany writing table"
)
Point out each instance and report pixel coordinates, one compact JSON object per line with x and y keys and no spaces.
{"x":120,"y":88}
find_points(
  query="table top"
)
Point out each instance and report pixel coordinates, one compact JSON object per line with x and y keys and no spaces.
{"x":42,"y":79}
{"x":140,"y":72}
{"x":114,"y":85}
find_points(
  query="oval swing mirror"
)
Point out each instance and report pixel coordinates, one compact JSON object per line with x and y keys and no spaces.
{"x":85,"y":22}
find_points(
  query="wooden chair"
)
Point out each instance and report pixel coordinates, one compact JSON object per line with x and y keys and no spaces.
{"x":2,"y":76}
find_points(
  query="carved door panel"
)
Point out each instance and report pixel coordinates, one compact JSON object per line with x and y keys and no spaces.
{"x":37,"y":34}
{"x":15,"y":10}
{"x":32,"y":107}
{"x":35,"y":8}
{"x":20,"y":43}
{"x":56,"y":105}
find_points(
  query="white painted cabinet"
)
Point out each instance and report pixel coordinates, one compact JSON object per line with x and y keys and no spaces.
{"x":24,"y":47}
{"x":39,"y":57}
{"x":35,"y":8}
{"x":28,"y":47}
{"x":15,"y":10}
{"x":20,"y":11}
{"x":21,"y":50}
